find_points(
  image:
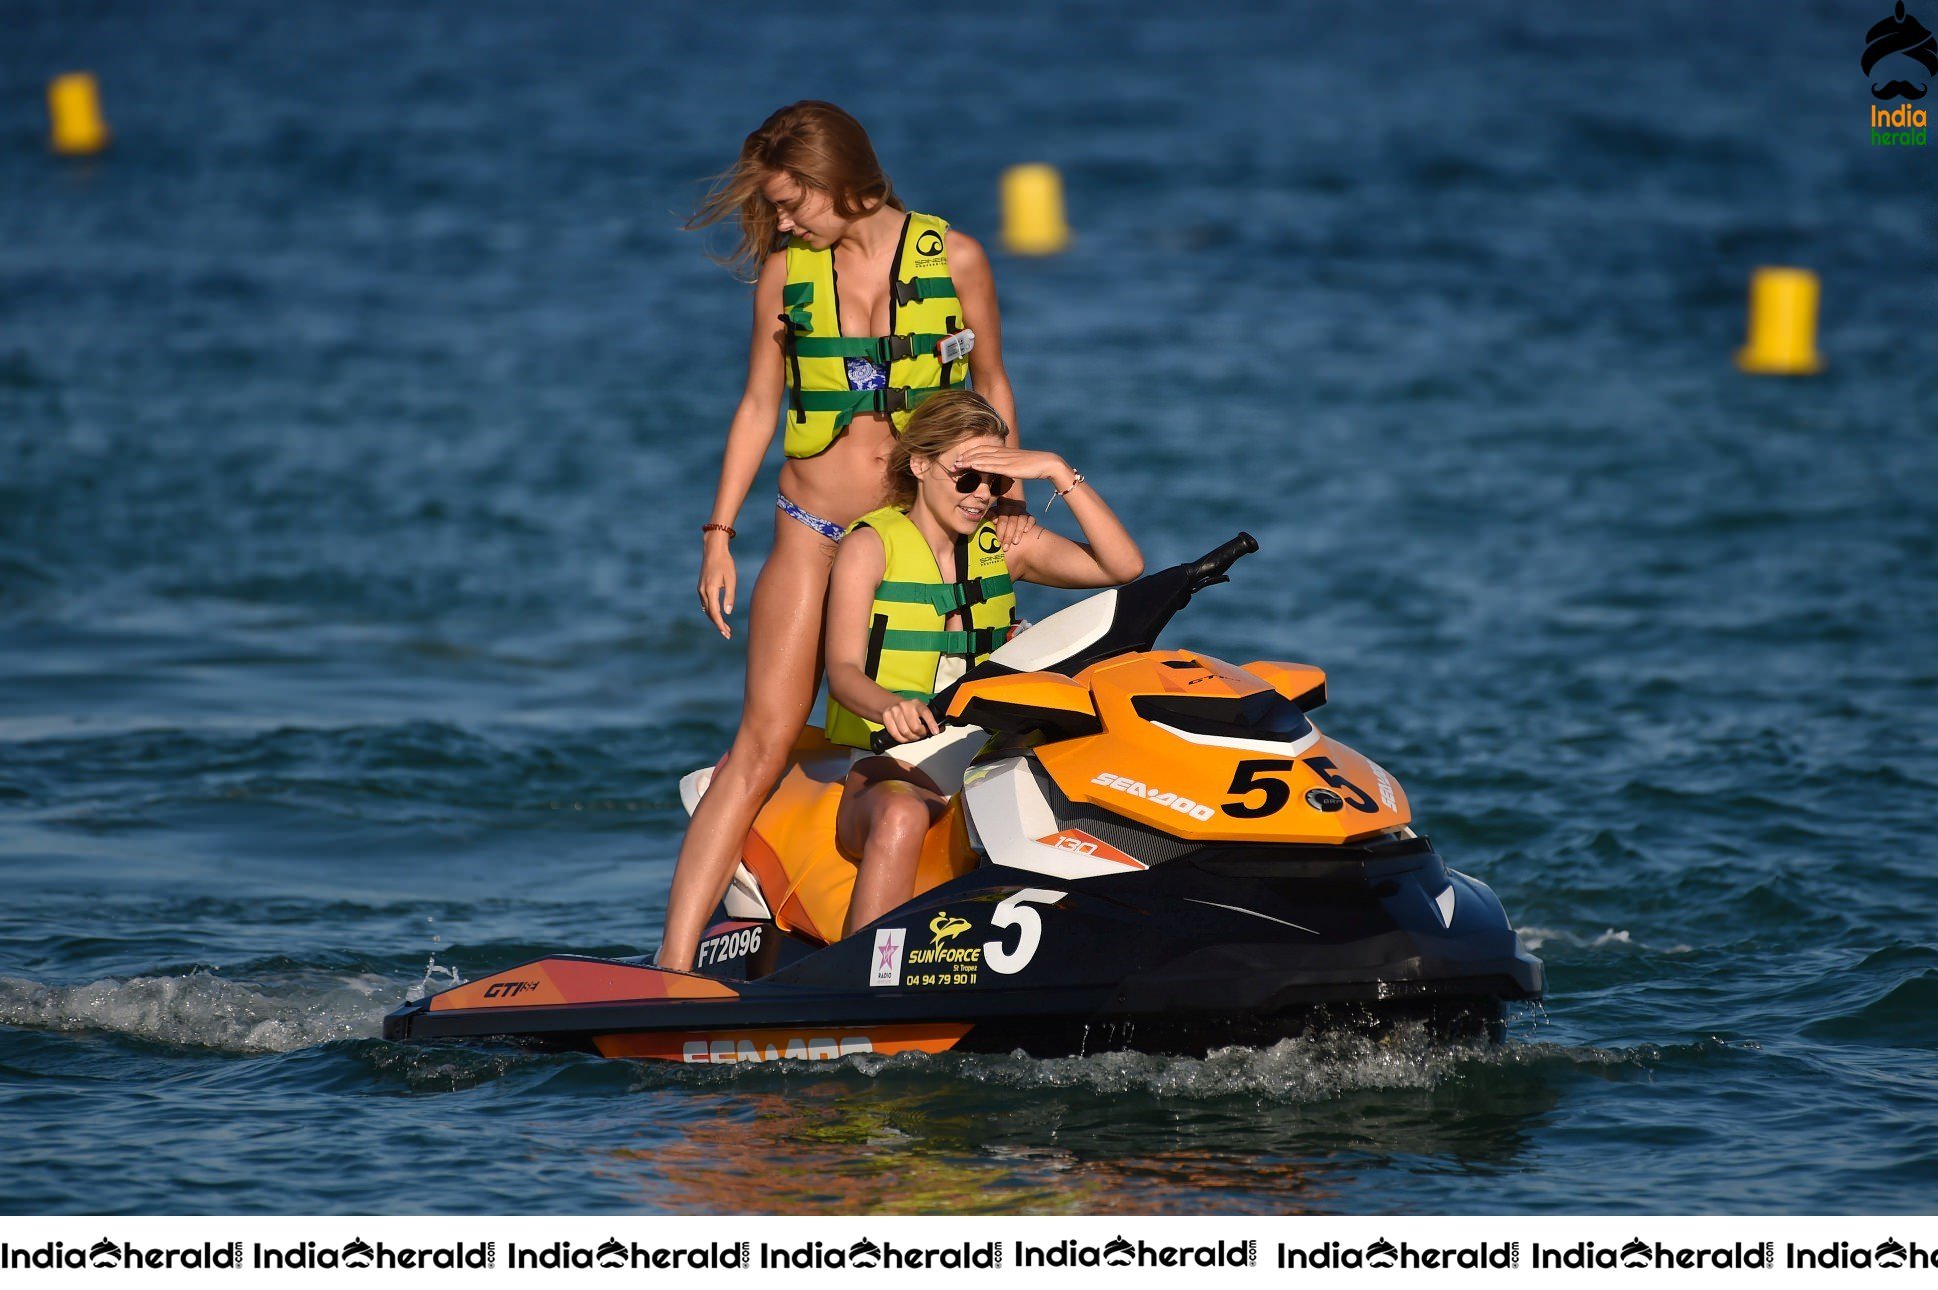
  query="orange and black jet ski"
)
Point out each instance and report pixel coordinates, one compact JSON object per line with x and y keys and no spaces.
{"x":1147,"y":849}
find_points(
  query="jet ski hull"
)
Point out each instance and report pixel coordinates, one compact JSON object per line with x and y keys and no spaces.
{"x":1231,"y":945}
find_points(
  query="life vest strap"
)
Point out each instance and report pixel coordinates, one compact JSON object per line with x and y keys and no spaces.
{"x":883,"y":350}
{"x":895,"y":398}
{"x":946,"y":597}
{"x":909,"y":290}
{"x":970,"y":643}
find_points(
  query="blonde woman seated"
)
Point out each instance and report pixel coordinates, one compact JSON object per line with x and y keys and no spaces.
{"x":921,"y":592}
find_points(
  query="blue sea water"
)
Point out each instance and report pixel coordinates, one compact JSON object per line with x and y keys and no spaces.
{"x":359,"y":408}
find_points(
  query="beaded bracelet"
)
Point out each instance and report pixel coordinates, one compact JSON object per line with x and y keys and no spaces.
{"x":723,"y":528}
{"x":1074,"y":481}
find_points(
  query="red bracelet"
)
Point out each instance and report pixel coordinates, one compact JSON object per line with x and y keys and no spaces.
{"x":724,"y":528}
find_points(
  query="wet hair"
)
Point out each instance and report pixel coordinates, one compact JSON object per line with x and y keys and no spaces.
{"x":939,"y":424}
{"x":815,"y":144}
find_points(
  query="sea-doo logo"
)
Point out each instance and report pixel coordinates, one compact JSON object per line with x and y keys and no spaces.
{"x":1155,"y":796}
{"x":885,"y":968}
{"x":945,"y":928}
{"x":1324,"y":799}
{"x":509,"y":989}
{"x":1383,"y":785}
{"x":793,"y":1048}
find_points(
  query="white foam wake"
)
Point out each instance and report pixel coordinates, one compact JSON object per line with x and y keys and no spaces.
{"x":1533,"y":938}
{"x":205,"y":1010}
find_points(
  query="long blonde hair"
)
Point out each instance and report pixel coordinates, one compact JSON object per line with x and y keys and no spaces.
{"x":815,"y":144}
{"x":939,"y":424}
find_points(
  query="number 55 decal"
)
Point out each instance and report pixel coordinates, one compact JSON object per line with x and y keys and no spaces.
{"x":1015,"y":911}
{"x":1257,"y":775}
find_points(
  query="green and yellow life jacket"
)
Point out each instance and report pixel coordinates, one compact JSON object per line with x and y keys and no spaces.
{"x":922,"y":309}
{"x":907,"y":635}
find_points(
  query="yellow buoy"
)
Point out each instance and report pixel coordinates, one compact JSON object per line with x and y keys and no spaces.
{"x":1783,"y":324}
{"x":74,"y":105}
{"x":1033,"y":222}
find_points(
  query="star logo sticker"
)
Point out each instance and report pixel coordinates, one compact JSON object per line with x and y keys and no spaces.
{"x":886,"y":969}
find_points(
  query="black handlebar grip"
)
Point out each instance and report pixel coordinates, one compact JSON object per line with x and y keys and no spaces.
{"x":1212,"y":567}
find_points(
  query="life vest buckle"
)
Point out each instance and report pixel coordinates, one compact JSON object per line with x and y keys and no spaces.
{"x":907,"y":291}
{"x":897,"y":349}
{"x":891,"y":399}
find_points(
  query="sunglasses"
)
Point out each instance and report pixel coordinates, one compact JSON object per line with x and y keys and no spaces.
{"x":969,"y":480}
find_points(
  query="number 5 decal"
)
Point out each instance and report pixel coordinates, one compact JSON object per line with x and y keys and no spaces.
{"x":1354,"y":794}
{"x":1015,"y":911}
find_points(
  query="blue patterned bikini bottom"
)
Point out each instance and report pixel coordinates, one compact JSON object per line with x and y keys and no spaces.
{"x":826,"y":528}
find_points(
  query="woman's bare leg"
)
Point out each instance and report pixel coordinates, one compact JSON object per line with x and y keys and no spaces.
{"x":783,"y":672}
{"x":884,"y":822}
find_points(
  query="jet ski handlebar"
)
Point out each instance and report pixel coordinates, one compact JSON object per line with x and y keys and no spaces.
{"x":1209,"y":569}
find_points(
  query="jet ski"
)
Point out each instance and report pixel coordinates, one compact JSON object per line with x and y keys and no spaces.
{"x":1144,"y":849}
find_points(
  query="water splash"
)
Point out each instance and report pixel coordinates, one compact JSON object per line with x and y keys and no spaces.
{"x":203,"y":1010}
{"x":437,"y":979}
{"x":1306,"y":1069}
{"x":1533,"y":938}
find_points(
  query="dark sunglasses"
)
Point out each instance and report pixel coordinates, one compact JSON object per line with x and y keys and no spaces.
{"x":968,"y":480}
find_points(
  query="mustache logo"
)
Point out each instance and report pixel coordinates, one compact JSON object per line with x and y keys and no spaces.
{"x":1900,"y":36}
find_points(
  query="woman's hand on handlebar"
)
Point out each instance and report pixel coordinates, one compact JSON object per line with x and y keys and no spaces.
{"x":718,"y":578}
{"x":908,"y":720}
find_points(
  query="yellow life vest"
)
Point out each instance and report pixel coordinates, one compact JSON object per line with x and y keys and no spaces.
{"x":908,"y":635}
{"x":922,"y":310}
